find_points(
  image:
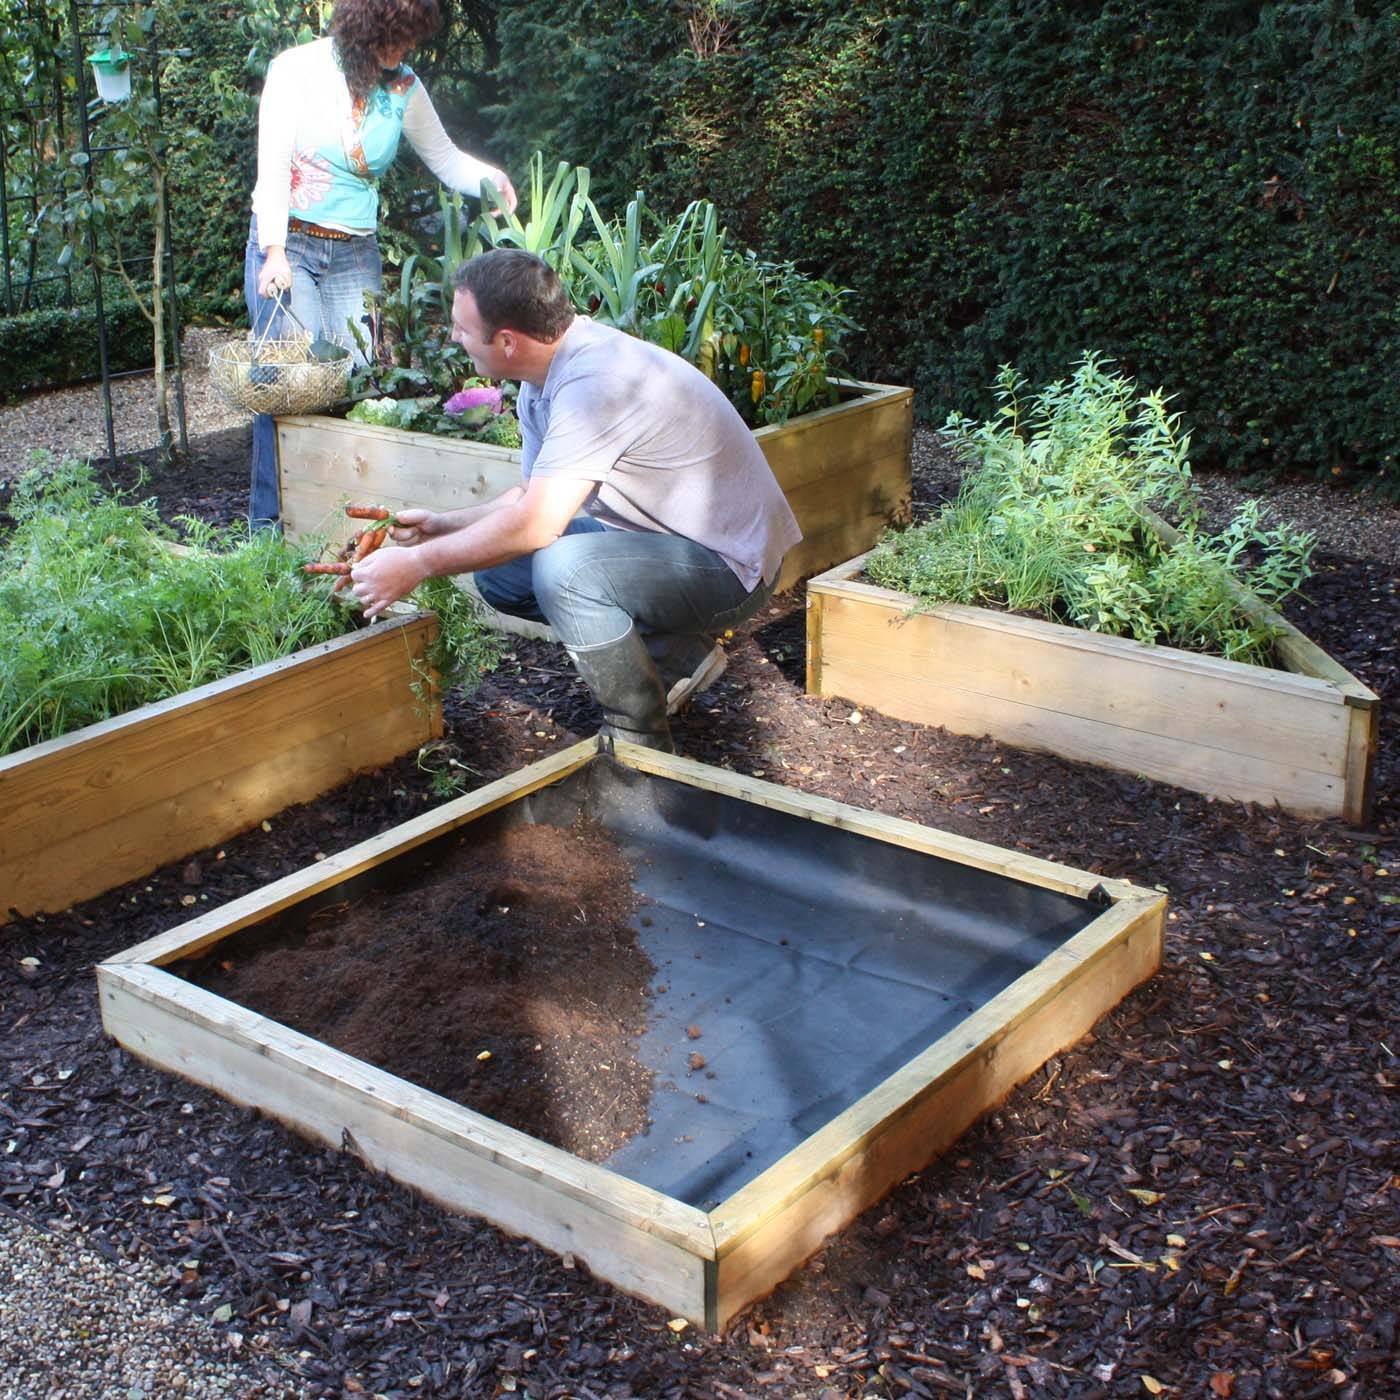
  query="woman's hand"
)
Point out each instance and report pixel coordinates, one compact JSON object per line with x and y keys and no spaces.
{"x":276,"y":274}
{"x":500,"y":182}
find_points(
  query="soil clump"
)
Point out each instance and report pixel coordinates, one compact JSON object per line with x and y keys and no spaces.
{"x":504,"y":975}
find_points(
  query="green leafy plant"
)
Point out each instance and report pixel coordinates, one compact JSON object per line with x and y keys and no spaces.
{"x":100,"y":615}
{"x":771,"y":337}
{"x":1056,"y":517}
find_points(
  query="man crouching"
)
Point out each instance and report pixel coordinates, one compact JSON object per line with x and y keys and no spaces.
{"x":647,"y":522}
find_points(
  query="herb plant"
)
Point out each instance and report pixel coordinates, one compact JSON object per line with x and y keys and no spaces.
{"x":1053,"y":518}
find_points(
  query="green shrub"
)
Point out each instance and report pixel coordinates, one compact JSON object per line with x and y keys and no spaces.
{"x":57,"y":345}
{"x":1052,"y":519}
{"x":1201,"y":188}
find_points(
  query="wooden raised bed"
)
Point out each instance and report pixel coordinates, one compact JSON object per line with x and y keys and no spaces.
{"x":1091,"y":943}
{"x":113,"y":801}
{"x":1302,"y":736}
{"x":845,"y":471}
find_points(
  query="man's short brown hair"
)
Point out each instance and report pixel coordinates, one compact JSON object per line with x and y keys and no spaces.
{"x":517,"y":291}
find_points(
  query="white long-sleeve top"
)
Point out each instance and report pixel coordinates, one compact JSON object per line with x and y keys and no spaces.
{"x":320,"y":154}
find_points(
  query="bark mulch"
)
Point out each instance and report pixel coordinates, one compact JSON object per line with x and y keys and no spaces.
{"x":1201,"y":1198}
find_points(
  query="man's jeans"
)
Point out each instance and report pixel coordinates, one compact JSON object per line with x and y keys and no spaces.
{"x":329,"y":280}
{"x":592,"y":585}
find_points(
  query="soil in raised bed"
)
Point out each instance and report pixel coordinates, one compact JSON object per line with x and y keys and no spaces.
{"x":504,"y":975}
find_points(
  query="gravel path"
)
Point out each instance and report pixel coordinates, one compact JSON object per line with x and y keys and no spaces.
{"x":70,"y":421}
{"x":75,"y":1325}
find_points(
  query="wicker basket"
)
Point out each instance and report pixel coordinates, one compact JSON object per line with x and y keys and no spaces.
{"x":277,"y":376}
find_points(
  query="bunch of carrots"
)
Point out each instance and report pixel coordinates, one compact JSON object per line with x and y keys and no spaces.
{"x":359,"y":546}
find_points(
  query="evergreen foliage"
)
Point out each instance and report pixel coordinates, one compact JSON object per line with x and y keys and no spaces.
{"x":57,"y":345}
{"x":1202,"y":189}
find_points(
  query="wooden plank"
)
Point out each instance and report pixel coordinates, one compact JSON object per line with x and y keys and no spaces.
{"x":805,"y":450}
{"x":193,"y":937}
{"x":765,"y":1230}
{"x":633,"y":1236}
{"x":1157,"y":693}
{"x":929,"y":840}
{"x":898,"y":607}
{"x":205,"y":739}
{"x":1290,"y":779}
{"x":846,"y":512}
{"x":73,"y":868}
{"x":111,"y":802}
{"x":813,"y":603}
{"x":1363,"y":743}
{"x":325,"y":462}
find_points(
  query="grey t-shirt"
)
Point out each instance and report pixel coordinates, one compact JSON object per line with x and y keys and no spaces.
{"x":669,"y":452}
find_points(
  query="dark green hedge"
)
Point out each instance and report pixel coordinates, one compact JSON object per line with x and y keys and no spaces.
{"x":55,"y":346}
{"x":1205,"y":190}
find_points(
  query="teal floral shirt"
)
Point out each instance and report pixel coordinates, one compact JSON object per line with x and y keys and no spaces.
{"x":321,"y":153}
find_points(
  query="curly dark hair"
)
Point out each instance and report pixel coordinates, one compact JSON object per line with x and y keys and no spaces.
{"x":360,"y":29}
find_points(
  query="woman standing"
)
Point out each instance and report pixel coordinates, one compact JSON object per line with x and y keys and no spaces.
{"x":329,"y":125}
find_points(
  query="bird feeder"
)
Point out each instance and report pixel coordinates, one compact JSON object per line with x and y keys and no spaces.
{"x":111,"y":68}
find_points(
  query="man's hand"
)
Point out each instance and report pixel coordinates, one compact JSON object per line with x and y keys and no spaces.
{"x":386,"y":576}
{"x":413,"y":526}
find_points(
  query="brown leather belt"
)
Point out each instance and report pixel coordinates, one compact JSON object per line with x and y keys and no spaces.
{"x":295,"y":225}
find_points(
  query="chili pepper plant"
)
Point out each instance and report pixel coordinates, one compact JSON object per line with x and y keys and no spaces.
{"x":771,"y":337}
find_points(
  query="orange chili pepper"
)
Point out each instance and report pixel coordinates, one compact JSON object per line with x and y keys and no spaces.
{"x":756,"y":385}
{"x":818,"y":336}
{"x":743,"y":354}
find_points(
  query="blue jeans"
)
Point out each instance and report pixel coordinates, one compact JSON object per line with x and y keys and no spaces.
{"x":593,"y":585}
{"x":330,"y":277}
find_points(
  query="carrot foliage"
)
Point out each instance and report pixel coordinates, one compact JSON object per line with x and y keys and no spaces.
{"x":99,"y":616}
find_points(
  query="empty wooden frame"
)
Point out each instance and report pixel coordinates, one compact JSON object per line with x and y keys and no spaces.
{"x":703,"y":1264}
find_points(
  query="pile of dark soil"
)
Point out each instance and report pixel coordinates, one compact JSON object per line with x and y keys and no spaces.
{"x":1199,"y":1199}
{"x":506,"y":976}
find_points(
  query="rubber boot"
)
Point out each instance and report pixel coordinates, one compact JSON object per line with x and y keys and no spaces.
{"x":625,"y":683}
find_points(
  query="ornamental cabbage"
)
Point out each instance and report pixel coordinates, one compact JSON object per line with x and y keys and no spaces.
{"x":387,"y":413}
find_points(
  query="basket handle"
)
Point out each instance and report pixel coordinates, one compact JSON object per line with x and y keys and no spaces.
{"x":283,"y":308}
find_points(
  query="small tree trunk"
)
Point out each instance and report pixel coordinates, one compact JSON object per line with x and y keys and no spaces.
{"x":158,"y":314}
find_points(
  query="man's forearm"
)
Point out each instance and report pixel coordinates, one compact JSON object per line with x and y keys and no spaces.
{"x":450,"y":521}
{"x":495,"y":535}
